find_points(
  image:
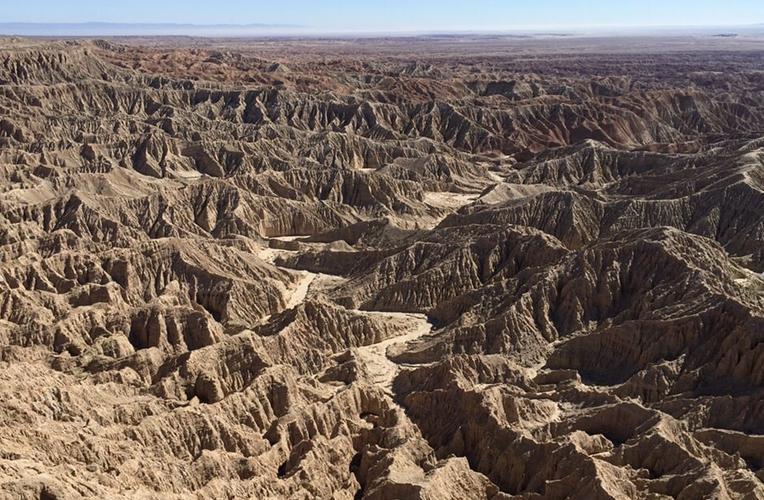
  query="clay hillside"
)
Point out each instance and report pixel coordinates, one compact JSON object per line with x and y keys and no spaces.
{"x":419,"y":268}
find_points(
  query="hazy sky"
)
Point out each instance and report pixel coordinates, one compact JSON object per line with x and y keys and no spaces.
{"x":393,"y":15}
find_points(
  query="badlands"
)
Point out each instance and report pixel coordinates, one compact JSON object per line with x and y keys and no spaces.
{"x":444,"y":267}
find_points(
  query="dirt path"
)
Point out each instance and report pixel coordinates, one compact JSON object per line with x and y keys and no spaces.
{"x":301,"y":290}
{"x":382,"y":370}
{"x":380,"y":367}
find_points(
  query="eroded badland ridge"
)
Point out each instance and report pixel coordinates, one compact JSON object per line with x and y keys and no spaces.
{"x":316,"y":269}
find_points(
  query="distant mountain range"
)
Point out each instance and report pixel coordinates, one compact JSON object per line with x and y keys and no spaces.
{"x":107,"y":29}
{"x":140,"y":29}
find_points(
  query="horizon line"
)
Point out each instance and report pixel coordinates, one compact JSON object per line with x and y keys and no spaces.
{"x":302,"y":29}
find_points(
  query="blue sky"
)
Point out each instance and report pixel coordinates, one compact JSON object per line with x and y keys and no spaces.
{"x":393,"y":15}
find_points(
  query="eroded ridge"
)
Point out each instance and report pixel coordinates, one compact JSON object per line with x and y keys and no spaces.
{"x":419,"y":268}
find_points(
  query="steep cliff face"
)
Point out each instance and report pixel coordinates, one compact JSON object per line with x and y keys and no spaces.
{"x":427,"y":271}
